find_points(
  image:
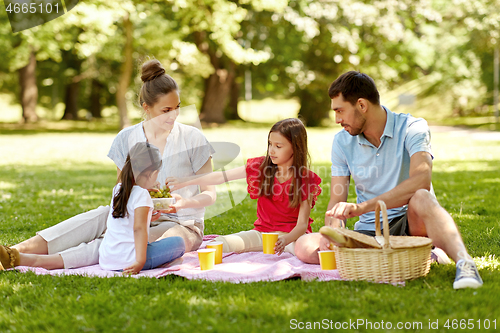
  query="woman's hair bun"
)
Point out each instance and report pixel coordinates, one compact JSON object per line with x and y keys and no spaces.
{"x":151,"y":69}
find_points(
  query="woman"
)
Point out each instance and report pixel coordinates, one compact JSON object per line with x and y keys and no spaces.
{"x":185,"y":152}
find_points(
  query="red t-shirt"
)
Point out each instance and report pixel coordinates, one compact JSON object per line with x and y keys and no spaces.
{"x":274,"y":213}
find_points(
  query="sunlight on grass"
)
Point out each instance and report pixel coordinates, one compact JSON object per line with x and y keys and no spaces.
{"x":5,"y":197}
{"x":468,"y":166}
{"x":6,"y":185}
{"x":196,"y":300}
{"x":43,"y":149}
{"x":490,"y":262}
{"x":491,"y":180}
{"x":292,"y":308}
{"x":54,"y":192}
{"x":9,"y":110}
{"x":268,"y":110}
{"x":253,"y":141}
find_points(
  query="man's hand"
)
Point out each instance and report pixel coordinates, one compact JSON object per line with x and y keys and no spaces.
{"x":344,"y":210}
{"x":333,"y":222}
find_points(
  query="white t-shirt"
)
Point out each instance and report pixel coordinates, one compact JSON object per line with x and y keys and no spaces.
{"x":117,"y":250}
{"x":186,"y":151}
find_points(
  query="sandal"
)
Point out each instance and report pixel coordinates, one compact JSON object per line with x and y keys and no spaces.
{"x":9,"y":257}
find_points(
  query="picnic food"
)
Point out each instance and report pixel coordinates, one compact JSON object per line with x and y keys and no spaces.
{"x":162,"y":199}
{"x":161,"y":193}
{"x":163,"y":203}
{"x":348,"y":238}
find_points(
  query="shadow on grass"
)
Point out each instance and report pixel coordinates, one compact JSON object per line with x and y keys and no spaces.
{"x":106,"y":126}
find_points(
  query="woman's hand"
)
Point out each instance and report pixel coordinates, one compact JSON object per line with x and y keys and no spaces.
{"x":135,"y":268}
{"x":155,"y":216}
{"x":176,"y":183}
{"x":180,"y":202}
{"x":279,"y":247}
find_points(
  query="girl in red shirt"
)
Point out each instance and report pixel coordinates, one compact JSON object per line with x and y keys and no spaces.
{"x":285,"y":189}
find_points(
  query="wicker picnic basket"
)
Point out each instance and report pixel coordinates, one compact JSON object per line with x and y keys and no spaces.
{"x":400,"y":258}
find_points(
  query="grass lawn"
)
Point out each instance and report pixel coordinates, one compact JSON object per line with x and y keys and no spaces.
{"x":48,"y":176}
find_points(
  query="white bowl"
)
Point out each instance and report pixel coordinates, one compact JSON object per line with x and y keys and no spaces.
{"x":163,"y":203}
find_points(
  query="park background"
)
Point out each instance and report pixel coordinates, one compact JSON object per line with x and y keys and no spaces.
{"x":68,"y":86}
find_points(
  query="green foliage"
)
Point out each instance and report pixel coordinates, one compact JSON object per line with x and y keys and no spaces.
{"x":463,"y":44}
{"x":314,"y":42}
{"x":293,"y":48}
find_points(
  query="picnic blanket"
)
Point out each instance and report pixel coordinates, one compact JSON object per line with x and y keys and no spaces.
{"x":235,"y":268}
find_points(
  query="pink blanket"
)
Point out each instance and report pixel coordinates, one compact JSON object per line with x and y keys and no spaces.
{"x":236,"y":268}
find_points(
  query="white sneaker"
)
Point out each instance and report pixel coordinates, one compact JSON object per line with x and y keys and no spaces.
{"x":439,"y":256}
{"x":467,"y":275}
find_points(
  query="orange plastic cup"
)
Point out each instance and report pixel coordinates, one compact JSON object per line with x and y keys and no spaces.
{"x":327,"y":260}
{"x":206,"y":258}
{"x":269,"y":240}
{"x":218,"y":251}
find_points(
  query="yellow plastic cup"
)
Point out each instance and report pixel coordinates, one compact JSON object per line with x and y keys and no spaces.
{"x":206,"y":258}
{"x":218,"y":251}
{"x":327,"y":260}
{"x":269,"y":240}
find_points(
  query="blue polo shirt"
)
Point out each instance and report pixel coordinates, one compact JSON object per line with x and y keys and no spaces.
{"x":378,"y":170}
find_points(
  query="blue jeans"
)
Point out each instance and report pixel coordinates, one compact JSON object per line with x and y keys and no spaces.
{"x":163,"y":251}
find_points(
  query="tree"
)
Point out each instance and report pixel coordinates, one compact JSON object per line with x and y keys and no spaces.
{"x":213,"y":26}
{"x":314,"y":42}
{"x":94,"y":28}
{"x":479,"y":24}
{"x":95,"y":98}
{"x":21,"y":53}
{"x":126,"y":72}
{"x":72,"y":39}
{"x":73,"y":66}
{"x":29,"y":90}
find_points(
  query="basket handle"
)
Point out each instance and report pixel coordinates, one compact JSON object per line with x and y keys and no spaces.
{"x":381,"y":206}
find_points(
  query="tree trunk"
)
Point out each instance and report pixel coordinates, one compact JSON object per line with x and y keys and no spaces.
{"x":313,"y":108}
{"x":95,"y":99}
{"x":71,"y":101}
{"x":72,"y":86}
{"x":217,"y":90}
{"x":29,"y":89}
{"x":217,"y":85}
{"x":126,"y":73}
{"x":234,"y":96}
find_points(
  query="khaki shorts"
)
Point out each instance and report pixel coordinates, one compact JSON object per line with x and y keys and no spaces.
{"x":248,"y":241}
{"x":77,"y":239}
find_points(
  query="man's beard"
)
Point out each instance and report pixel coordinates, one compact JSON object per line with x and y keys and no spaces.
{"x":359,"y":121}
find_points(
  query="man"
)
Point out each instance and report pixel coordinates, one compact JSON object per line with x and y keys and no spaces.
{"x":389,"y":158}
